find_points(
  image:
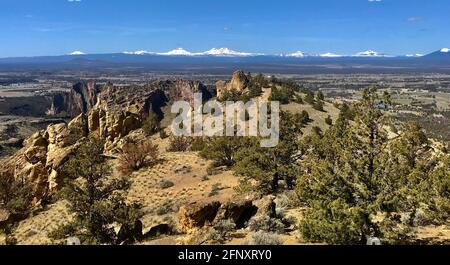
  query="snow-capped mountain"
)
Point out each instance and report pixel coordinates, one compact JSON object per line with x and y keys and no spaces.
{"x":369,"y":53}
{"x":177,"y":52}
{"x":213,"y":52}
{"x":415,"y":55}
{"x":330,"y":55}
{"x":225,"y":52}
{"x":141,"y":52}
{"x":297,"y":54}
{"x":443,"y":53}
{"x":77,"y":53}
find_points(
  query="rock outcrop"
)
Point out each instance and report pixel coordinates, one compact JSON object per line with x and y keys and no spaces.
{"x":110,"y":112}
{"x":83,"y":98}
{"x":238,"y":84}
{"x":43,"y":155}
{"x":266,"y":207}
{"x":192,"y":216}
{"x":239,"y":211}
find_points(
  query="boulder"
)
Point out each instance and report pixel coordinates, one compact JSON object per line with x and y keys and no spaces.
{"x":197,"y":215}
{"x":266,"y":207}
{"x":239,"y":212}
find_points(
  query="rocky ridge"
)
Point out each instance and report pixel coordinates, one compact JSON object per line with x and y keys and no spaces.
{"x":108,"y":111}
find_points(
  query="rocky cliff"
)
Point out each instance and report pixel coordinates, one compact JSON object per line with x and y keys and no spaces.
{"x":108,"y":111}
{"x":239,"y":82}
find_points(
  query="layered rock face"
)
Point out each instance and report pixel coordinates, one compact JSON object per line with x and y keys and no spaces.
{"x":83,"y":98}
{"x":238,"y":84}
{"x":108,"y":111}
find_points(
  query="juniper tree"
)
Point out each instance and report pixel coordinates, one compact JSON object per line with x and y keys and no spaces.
{"x":16,"y":195}
{"x":320,"y":96}
{"x":268,"y":166}
{"x":94,"y":197}
{"x":354,"y":173}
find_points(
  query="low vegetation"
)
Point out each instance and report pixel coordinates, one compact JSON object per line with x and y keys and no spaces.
{"x":137,"y":155}
{"x":262,"y":238}
{"x":353,"y":173}
{"x":179,"y":144}
{"x":151,"y":125}
{"x":15,"y":195}
{"x":95,"y":199}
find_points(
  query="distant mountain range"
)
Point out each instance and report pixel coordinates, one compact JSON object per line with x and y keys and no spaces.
{"x":225,"y":52}
{"x":224,"y":59}
{"x":183,"y":52}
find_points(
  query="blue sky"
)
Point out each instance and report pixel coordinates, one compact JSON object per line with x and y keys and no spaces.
{"x":53,"y":27}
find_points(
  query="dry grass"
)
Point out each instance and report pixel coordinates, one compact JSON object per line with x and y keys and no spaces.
{"x":35,"y":230}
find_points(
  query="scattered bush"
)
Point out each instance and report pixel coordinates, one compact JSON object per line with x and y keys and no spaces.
{"x":179,"y":144}
{"x":309,"y":98}
{"x":165,"y":184}
{"x":320,"y":96}
{"x":266,"y":224}
{"x":198,"y":144}
{"x":215,"y":189}
{"x":261,"y":238}
{"x":212,"y":171}
{"x":298,"y":99}
{"x":303,"y":117}
{"x":317,"y":131}
{"x":283,"y":203}
{"x":225,"y":226}
{"x":244,"y":187}
{"x":222,"y":149}
{"x":205,"y":178}
{"x":318,"y":105}
{"x":136,"y":156}
{"x":329,"y":120}
{"x":151,"y":124}
{"x":165,"y":208}
{"x":200,"y":236}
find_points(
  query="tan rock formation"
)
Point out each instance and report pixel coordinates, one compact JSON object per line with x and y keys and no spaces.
{"x":238,"y":84}
{"x":110,"y":112}
{"x":192,"y":216}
